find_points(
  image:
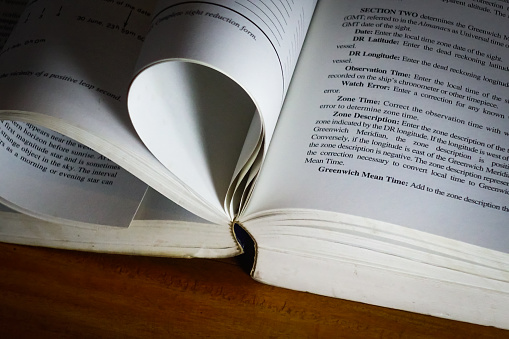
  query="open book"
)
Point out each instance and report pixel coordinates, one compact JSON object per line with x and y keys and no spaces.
{"x":363,"y":145}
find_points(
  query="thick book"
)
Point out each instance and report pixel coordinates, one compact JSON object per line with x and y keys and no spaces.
{"x":363,"y":145}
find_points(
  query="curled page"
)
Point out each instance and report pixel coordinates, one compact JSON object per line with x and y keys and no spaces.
{"x":210,"y":84}
{"x":56,"y":71}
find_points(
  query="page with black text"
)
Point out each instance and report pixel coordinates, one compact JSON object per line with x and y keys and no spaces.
{"x":67,"y":68}
{"x":386,"y":180}
{"x":46,"y":174}
{"x":398,"y":113}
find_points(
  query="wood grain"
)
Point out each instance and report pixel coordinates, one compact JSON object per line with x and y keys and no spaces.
{"x":56,"y":293}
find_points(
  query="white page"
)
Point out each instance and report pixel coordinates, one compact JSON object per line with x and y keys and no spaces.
{"x":43,"y":172}
{"x":253,"y":44}
{"x":52,"y":177}
{"x":157,"y":207}
{"x":72,"y":64}
{"x":356,"y":71}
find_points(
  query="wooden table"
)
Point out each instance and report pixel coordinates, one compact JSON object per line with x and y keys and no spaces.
{"x":56,"y":293}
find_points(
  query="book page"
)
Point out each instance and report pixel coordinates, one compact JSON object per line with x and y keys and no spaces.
{"x":398,"y":113}
{"x":210,"y":74}
{"x":67,"y":67}
{"x":52,"y":177}
{"x":49,"y":71}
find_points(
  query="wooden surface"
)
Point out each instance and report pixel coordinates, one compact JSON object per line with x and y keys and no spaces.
{"x":55,"y":293}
